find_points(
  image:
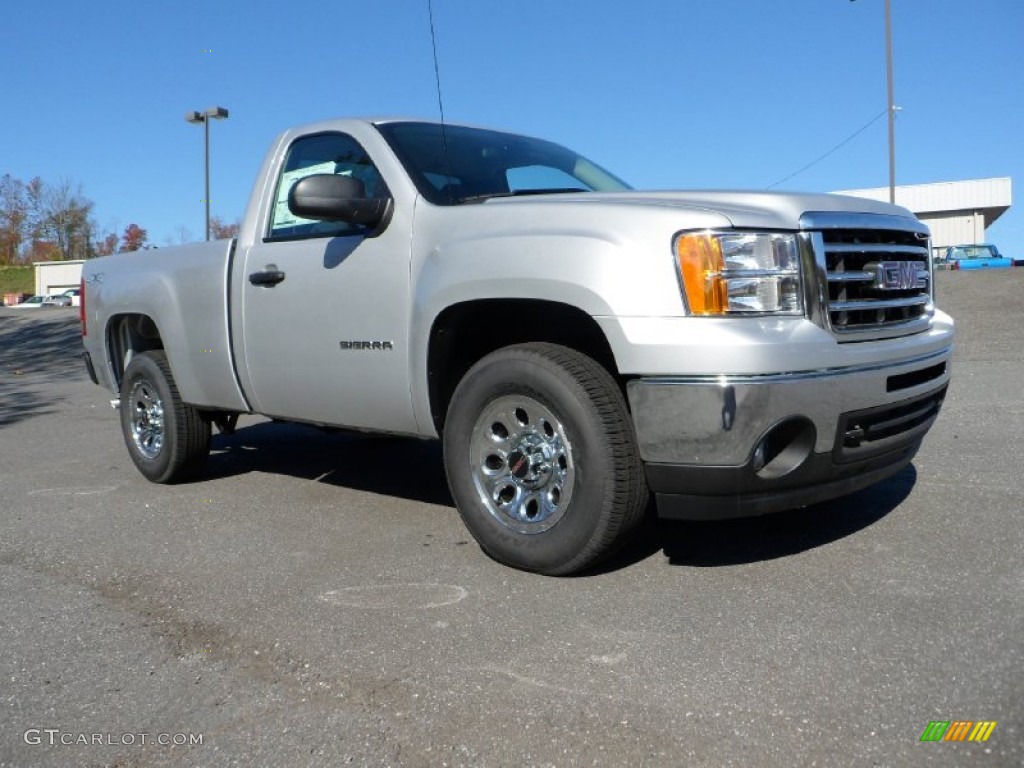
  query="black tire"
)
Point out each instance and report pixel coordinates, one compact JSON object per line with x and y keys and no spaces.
{"x":541,"y":459}
{"x":167,"y":439}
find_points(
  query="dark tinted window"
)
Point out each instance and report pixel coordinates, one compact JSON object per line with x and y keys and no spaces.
{"x":455,"y":164}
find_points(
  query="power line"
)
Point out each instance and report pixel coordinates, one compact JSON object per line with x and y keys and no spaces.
{"x":834,"y":149}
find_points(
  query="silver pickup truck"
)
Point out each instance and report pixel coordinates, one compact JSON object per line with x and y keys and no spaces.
{"x":576,"y":345}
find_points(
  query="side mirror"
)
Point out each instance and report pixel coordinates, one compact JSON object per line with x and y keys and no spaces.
{"x":328,"y":197}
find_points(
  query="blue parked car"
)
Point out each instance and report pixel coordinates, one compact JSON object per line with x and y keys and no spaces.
{"x":982,"y":256}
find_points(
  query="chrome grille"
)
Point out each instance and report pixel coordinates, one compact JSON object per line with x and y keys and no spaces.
{"x":878,"y":282}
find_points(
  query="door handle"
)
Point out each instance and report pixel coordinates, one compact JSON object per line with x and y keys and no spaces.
{"x":270,"y":276}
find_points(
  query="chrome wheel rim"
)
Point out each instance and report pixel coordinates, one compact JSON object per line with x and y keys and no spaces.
{"x":147,"y":419}
{"x":522,"y":464}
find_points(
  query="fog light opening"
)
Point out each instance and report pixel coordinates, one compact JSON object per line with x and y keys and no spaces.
{"x":783,"y":448}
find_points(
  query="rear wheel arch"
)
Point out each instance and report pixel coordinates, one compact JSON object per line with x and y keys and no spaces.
{"x":128,"y":335}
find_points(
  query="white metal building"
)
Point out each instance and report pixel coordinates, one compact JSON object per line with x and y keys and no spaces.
{"x":57,"y":276}
{"x":957,"y":212}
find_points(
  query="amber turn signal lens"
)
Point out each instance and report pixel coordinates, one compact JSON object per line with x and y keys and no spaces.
{"x":701,"y":264}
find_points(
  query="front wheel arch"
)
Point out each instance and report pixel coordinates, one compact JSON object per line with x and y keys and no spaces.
{"x":465,"y":332}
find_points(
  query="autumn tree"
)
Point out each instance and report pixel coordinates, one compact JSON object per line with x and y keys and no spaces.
{"x":133,"y":238}
{"x":221,"y":231}
{"x":42,"y":221}
{"x":107,"y":245}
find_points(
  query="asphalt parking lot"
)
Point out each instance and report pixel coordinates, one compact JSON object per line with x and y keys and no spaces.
{"x":314,"y":600}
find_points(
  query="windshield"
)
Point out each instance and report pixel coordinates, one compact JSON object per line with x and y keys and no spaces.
{"x":974,"y":252}
{"x":456,"y":164}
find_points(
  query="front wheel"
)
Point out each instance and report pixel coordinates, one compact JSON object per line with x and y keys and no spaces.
{"x":541,"y":459}
{"x":167,"y":439}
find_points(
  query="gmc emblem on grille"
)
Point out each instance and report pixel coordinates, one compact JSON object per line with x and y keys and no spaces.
{"x":898,"y":275}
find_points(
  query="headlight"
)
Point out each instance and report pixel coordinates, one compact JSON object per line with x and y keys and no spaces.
{"x":740,"y":273}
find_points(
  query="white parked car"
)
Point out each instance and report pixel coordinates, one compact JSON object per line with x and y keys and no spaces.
{"x":72,"y":293}
{"x":33,"y":302}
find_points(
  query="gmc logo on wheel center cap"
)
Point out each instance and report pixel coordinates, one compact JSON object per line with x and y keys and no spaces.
{"x":898,"y":275}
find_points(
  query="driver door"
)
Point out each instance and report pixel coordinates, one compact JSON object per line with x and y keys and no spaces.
{"x":325,"y":305}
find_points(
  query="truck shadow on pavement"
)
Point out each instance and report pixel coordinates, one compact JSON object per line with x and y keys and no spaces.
{"x":767,"y":537}
{"x":390,"y":466}
{"x":413,"y":469}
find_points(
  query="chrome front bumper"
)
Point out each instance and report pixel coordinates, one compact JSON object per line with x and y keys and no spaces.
{"x":735,"y":445}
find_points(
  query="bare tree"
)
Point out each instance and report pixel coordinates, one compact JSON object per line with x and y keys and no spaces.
{"x":41,"y":246}
{"x":66,"y":219}
{"x":13,"y":218}
{"x":43,"y":221}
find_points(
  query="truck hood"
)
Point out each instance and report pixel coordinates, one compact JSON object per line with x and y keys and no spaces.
{"x":743,"y":208}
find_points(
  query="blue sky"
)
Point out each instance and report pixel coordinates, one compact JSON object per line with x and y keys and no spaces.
{"x":665,"y":93}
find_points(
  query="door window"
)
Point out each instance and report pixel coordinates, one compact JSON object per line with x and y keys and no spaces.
{"x":334,"y":153}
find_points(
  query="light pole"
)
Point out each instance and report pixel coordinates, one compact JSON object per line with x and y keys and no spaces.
{"x":213,"y":113}
{"x":891,"y":100}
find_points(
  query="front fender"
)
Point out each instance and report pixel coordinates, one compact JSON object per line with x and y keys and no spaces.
{"x":525,"y":252}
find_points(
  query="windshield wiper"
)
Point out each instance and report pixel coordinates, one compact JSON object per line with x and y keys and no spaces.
{"x":520,"y":192}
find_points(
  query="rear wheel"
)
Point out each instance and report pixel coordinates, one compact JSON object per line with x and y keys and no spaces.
{"x":542,"y":460}
{"x":167,"y":439}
